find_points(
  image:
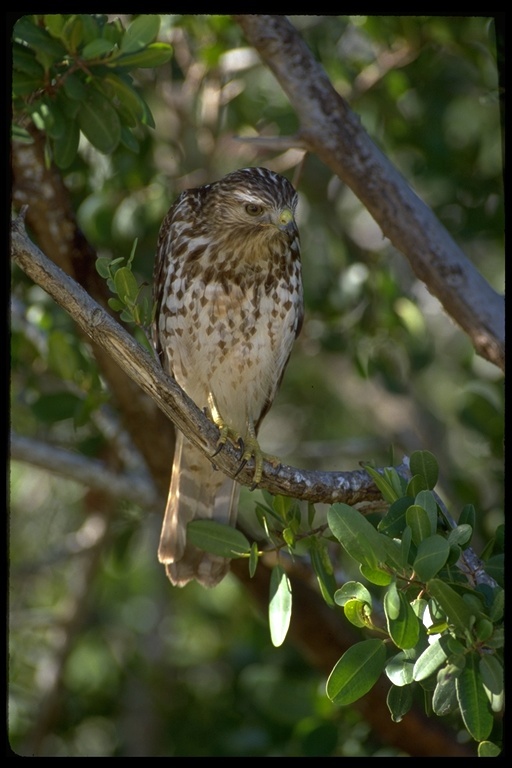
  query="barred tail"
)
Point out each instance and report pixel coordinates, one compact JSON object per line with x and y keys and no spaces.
{"x":197,"y":491}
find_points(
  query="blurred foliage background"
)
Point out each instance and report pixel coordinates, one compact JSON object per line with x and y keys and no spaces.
{"x":106,"y":659}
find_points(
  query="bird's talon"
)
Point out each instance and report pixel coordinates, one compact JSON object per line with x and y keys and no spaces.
{"x":241,"y":466}
{"x":218,"y":449}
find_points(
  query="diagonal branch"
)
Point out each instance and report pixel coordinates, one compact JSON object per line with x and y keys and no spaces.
{"x":350,"y":487}
{"x":329,"y":128}
{"x":90,"y":472}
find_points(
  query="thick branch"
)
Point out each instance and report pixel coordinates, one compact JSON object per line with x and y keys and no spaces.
{"x":53,"y":222}
{"x":330,"y":129}
{"x":315,"y":486}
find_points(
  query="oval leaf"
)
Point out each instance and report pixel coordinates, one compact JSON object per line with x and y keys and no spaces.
{"x":280,"y":605}
{"x":491,"y":672}
{"x":402,"y":622}
{"x":488,"y":749}
{"x":323,"y":569}
{"x":140,"y":32}
{"x":352,"y":590}
{"x":126,"y":285}
{"x":419,"y":522}
{"x":376,"y":575}
{"x":431,"y":556}
{"x":425,"y":463}
{"x":473,"y":703}
{"x":99,"y":122}
{"x":154,"y":55}
{"x":217,"y":538}
{"x":453,"y":606}
{"x":399,"y":701}
{"x":399,"y":669}
{"x":431,"y":659}
{"x":355,"y":612}
{"x":356,"y":535}
{"x":356,"y":672}
{"x":66,"y":147}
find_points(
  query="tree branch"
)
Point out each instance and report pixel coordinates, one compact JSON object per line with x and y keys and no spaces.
{"x":90,"y":472}
{"x":52,"y":220}
{"x":329,"y":128}
{"x":315,"y":486}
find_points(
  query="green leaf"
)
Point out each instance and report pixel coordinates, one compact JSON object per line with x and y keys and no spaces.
{"x":217,"y":538}
{"x":491,"y":672}
{"x":393,"y":523}
{"x":24,"y":60}
{"x":26,"y":31}
{"x":376,"y":575}
{"x":253,"y":559}
{"x":495,"y":567}
{"x":129,"y":99}
{"x":402,"y":622}
{"x":154,"y":55}
{"x":399,"y":702}
{"x":73,"y":33}
{"x":456,"y":610}
{"x":356,"y":535}
{"x":323,"y":569}
{"x":468,"y":516}
{"x":352,"y":590}
{"x":399,"y":668}
{"x":444,"y":698}
{"x":97,"y":48}
{"x":431,"y":659}
{"x":126,"y":285}
{"x":102,"y":265}
{"x":427,"y":500}
{"x":65,"y":148}
{"x":419,"y":522}
{"x":488,"y":749}
{"x":74,"y":87}
{"x":416,"y":484}
{"x":431,"y":556}
{"x":54,"y":23}
{"x":281,"y":505}
{"x":140,"y":33}
{"x":99,"y":122}
{"x":357,"y":613}
{"x":460,"y":535}
{"x":405,"y":544}
{"x":128,"y":139}
{"x":24,"y":84}
{"x":356,"y":672}
{"x":280,"y":605}
{"x":389,"y":483}
{"x":425,"y":463}
{"x":473,"y":703}
{"x":497,"y":608}
{"x":116,"y":305}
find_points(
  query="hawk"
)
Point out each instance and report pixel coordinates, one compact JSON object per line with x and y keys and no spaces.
{"x":229,"y":305}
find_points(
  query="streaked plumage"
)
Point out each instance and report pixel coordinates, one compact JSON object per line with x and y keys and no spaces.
{"x":228,"y":289}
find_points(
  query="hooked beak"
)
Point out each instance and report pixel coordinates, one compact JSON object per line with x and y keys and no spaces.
{"x":285,"y":222}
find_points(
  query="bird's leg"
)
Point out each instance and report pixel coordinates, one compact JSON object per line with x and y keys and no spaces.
{"x":253,"y":451}
{"x":225,"y":430}
{"x":248,"y":444}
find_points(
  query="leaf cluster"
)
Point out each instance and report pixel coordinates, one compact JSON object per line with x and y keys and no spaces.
{"x":437,"y":629}
{"x":71,"y":76}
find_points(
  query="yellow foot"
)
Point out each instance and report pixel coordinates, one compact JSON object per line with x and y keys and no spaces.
{"x":248,"y":445}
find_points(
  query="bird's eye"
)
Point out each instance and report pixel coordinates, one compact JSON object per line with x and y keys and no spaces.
{"x":253,"y":209}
